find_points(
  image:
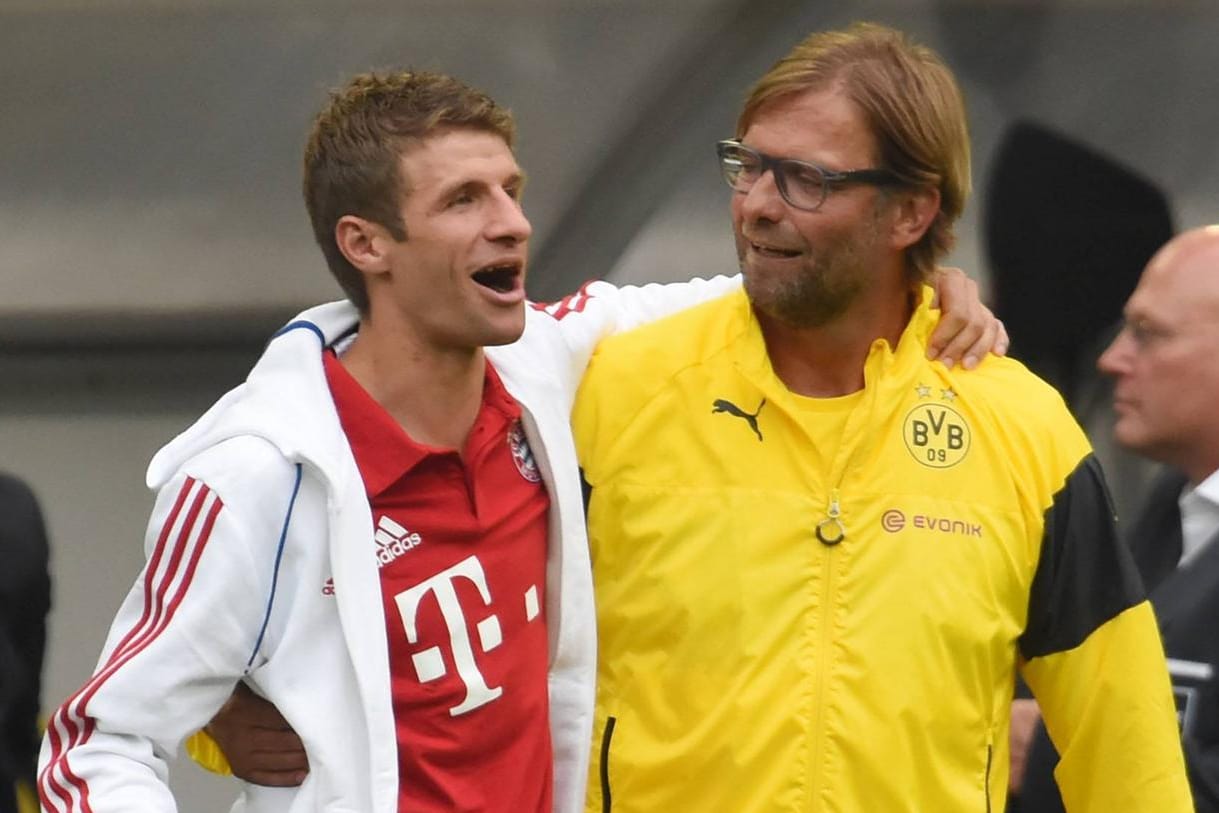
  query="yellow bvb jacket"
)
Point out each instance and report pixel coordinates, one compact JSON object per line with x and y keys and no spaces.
{"x":745,"y":665}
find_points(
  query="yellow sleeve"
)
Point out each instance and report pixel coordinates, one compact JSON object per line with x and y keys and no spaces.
{"x":1109,"y":709}
{"x":604,"y":403}
{"x":205,"y":751}
{"x":27,"y":801}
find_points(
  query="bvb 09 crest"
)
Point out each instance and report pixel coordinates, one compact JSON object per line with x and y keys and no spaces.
{"x":935,"y":433}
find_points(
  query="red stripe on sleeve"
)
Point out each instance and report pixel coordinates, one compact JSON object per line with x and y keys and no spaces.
{"x":155,"y":562}
{"x":71,"y":723}
{"x":572,"y":303}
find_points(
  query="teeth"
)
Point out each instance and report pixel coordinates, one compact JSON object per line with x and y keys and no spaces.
{"x":774,"y":252}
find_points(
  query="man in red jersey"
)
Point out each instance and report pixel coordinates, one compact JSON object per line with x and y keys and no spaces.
{"x":381,"y":530}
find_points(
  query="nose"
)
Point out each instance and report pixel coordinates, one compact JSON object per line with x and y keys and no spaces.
{"x":509,"y":222}
{"x":762,"y":201}
{"x":1115,"y":361}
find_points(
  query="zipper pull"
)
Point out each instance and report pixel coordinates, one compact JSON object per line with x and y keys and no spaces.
{"x":831,"y":531}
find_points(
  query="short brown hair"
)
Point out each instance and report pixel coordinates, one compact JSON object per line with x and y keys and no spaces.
{"x":352,"y":157}
{"x":909,"y":98}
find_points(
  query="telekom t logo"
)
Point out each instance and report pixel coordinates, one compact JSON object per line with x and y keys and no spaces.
{"x":429,"y":663}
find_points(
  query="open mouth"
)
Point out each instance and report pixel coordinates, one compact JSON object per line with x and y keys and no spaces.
{"x":499,"y":278}
{"x":767,"y":251}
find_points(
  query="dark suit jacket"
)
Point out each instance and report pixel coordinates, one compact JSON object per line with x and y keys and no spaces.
{"x":1186,"y":602}
{"x":25,"y":599}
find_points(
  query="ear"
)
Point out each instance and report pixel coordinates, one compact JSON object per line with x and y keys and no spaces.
{"x":914,"y":211}
{"x":364,"y":243}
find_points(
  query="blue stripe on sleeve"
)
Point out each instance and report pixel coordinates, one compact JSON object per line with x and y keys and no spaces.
{"x":279,"y":555}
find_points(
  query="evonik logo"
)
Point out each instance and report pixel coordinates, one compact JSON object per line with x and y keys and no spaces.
{"x":393,"y":540}
{"x":894,"y":520}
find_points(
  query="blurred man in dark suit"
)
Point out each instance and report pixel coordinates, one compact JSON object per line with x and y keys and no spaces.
{"x":1165,"y":367}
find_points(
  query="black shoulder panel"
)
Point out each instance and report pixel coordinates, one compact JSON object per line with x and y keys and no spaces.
{"x":1085,"y":576}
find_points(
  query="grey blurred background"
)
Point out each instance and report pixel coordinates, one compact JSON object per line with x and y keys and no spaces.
{"x":152,"y":234}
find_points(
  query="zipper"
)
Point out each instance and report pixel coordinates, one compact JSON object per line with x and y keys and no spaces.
{"x":607,"y":801}
{"x":990,"y":753}
{"x":826,"y":638}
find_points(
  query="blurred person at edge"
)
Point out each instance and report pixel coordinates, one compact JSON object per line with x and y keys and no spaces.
{"x":381,"y":531}
{"x":1165,"y":368}
{"x":25,"y":600}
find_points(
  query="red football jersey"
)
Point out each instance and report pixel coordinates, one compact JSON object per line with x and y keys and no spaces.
{"x":460,"y":540}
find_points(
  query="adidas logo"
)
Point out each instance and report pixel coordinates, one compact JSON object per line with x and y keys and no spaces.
{"x":393,"y":540}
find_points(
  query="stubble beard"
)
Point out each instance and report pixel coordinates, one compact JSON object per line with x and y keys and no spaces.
{"x":823,"y":290}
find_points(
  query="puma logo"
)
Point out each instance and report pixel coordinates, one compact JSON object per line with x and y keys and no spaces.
{"x":720,"y":405}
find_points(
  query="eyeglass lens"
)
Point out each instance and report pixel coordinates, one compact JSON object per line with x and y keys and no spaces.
{"x":802,"y":185}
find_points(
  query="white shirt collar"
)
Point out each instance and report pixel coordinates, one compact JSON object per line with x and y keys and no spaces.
{"x":1199,"y":517}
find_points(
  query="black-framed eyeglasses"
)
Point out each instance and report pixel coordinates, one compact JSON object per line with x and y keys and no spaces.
{"x":803,"y":185}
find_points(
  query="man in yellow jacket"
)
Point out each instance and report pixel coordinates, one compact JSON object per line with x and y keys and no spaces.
{"x":820,"y":558}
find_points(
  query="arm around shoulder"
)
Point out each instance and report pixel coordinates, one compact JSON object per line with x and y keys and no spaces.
{"x":601,"y":309}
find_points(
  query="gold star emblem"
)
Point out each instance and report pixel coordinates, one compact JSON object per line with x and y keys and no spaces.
{"x":923,"y":391}
{"x":949,"y":395}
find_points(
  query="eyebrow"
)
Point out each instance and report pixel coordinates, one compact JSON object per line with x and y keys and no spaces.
{"x":471,"y":184}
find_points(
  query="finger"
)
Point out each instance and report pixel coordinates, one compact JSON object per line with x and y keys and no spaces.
{"x":958,"y":298}
{"x":993,"y":340}
{"x":274,"y":761}
{"x":263,"y":739}
{"x":978,"y":350}
{"x":1002,"y":343}
{"x":949,"y":287}
{"x":278,"y":768}
{"x":276,"y":779}
{"x":952,"y":334}
{"x":962,"y":343}
{"x":269,"y":721}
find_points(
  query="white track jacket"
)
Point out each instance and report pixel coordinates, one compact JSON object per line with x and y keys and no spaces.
{"x":261,"y":565}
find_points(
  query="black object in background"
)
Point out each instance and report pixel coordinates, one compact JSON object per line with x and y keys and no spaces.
{"x":1067,"y":233}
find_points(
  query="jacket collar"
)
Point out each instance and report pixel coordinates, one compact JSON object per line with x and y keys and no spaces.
{"x":284,"y":400}
{"x":882,"y":357}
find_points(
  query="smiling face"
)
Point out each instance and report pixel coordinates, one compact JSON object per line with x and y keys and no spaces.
{"x":457,"y":282}
{"x":806,"y":269}
{"x":1165,"y":361}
